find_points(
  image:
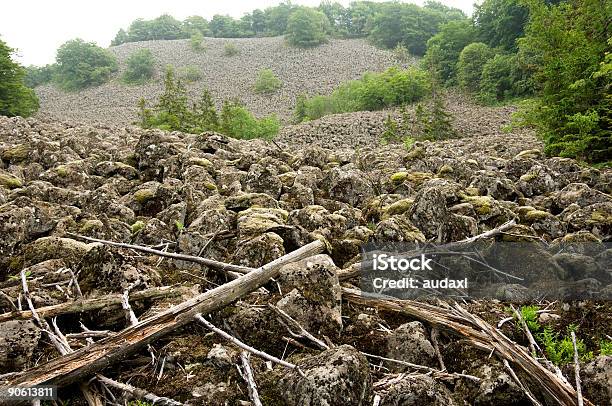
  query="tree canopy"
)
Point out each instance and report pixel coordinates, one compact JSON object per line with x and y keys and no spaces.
{"x":81,"y":64}
{"x":16,"y":99}
{"x":307,"y":27}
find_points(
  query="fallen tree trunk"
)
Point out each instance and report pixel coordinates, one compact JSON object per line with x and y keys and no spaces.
{"x":478,"y":333}
{"x":79,"y":306}
{"x":75,"y":366}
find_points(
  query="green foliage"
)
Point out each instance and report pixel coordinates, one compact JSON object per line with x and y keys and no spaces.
{"x":568,"y":44}
{"x":374,"y":91}
{"x":560,"y":350}
{"x":605,"y":347}
{"x":435,"y":122}
{"x":196,"y":25}
{"x":230,"y":49}
{"x":401,"y":53}
{"x":391,"y":130}
{"x":500,"y":22}
{"x":81,"y":64}
{"x":189,"y":74}
{"x":471,"y":63}
{"x":196,"y":41}
{"x":299,"y":113}
{"x":496,"y":81}
{"x":267,"y":82}
{"x":139,"y":403}
{"x":307,"y":27}
{"x":39,"y":75}
{"x":140,"y":67}
{"x":444,"y":48}
{"x":173,"y":113}
{"x":16,"y":99}
{"x":409,"y":24}
{"x":236,"y":121}
{"x":530,"y":315}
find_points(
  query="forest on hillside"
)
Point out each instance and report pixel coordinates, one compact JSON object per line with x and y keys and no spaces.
{"x":551,"y":56}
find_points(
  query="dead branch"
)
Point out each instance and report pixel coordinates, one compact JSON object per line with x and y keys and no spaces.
{"x":139,"y":393}
{"x":523,"y":387}
{"x":89,"y":360}
{"x":302,"y":333}
{"x":86,"y":305}
{"x":211,"y":263}
{"x":491,"y":233}
{"x":434,"y":340}
{"x":477,"y":333}
{"x":436,"y":373}
{"x":244,"y":346}
{"x":247,"y":374}
{"x":577,"y":371}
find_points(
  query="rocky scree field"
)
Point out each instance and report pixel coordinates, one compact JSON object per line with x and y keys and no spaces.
{"x":310,"y":71}
{"x":249,"y":202}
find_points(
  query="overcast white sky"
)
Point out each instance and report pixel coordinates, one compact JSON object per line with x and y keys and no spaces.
{"x":38,"y":28}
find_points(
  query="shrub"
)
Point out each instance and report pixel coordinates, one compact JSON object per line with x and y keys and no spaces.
{"x":236,"y":121}
{"x":196,"y":41}
{"x":307,"y":27}
{"x":39,"y":75}
{"x":172,"y":113}
{"x":471,"y":63}
{"x":16,"y":99}
{"x":374,"y":91}
{"x":444,"y":48}
{"x":82,"y":64}
{"x":435,"y":123}
{"x":230,"y":49}
{"x":267,"y":82}
{"x":401,"y":54}
{"x":190,"y":73}
{"x":140,"y":66}
{"x":496,"y":78}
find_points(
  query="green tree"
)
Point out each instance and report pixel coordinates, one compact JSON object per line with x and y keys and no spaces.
{"x":307,"y":27}
{"x":196,"y":24}
{"x":277,"y":18}
{"x":496,"y":78}
{"x":267,"y":82}
{"x":16,"y":99}
{"x":444,"y":48}
{"x":500,"y":22}
{"x":471,"y":62}
{"x":196,"y":41}
{"x":81,"y":64}
{"x":236,"y":121}
{"x":140,"y":67}
{"x":205,"y":113}
{"x":568,"y":44}
{"x":39,"y":75}
{"x":230,"y":49}
{"x":121,"y":38}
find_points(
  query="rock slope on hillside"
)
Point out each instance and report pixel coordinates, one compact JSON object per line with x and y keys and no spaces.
{"x":312,"y":71}
{"x":249,"y":202}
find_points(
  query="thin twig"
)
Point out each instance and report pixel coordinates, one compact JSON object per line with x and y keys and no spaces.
{"x":246,"y":347}
{"x":139,"y":393}
{"x":302,"y":332}
{"x":434,"y":340}
{"x":577,"y":370}
{"x":523,"y":387}
{"x":247,"y":374}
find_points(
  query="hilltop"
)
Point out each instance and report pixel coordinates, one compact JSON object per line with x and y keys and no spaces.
{"x":311,"y":71}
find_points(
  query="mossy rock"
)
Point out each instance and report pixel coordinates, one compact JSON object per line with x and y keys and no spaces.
{"x":143,"y":195}
{"x":62,"y":171}
{"x":445,"y":170}
{"x":537,"y":215}
{"x":203,"y":162}
{"x":482,"y":204}
{"x":528,"y":177}
{"x":137,"y":226}
{"x":398,"y":177}
{"x":210,"y":186}
{"x":16,"y":153}
{"x":399,"y":207}
{"x":529,"y":153}
{"x":415,"y":153}
{"x":472,"y":191}
{"x":53,"y":248}
{"x":9,"y":181}
{"x":91,"y":225}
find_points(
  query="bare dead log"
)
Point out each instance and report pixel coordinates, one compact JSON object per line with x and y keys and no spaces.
{"x":91,"y":359}
{"x":491,"y":233}
{"x":211,"y":263}
{"x":79,"y":306}
{"x":139,"y":393}
{"x":477,"y":333}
